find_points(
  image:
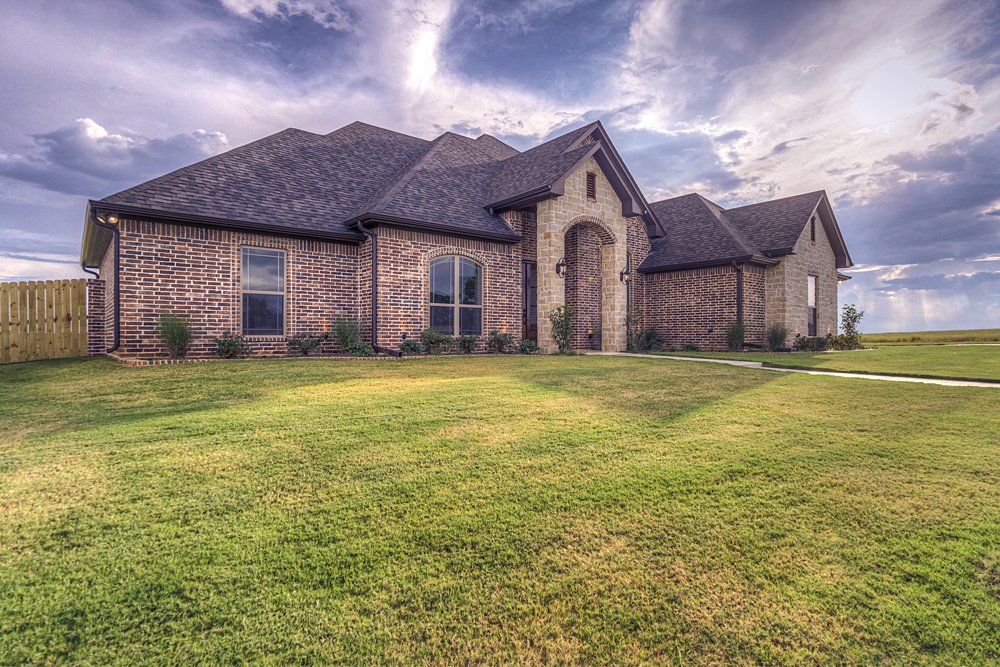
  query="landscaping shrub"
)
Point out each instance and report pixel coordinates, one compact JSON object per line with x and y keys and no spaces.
{"x":527,"y":346}
{"x":691,"y":347}
{"x":810,"y":343}
{"x":303,"y":343}
{"x":776,"y":336}
{"x":361,"y":350}
{"x":435,"y":342}
{"x":231,"y":346}
{"x":735,"y":333}
{"x":466,"y":344}
{"x":176,"y":334}
{"x":348,"y":332}
{"x":499,"y":342}
{"x":648,"y":341}
{"x":850,"y":321}
{"x":411,"y":347}
{"x":562,"y":328}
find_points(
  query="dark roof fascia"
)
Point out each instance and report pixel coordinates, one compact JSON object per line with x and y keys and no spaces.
{"x":828,"y":209}
{"x":665,"y":268}
{"x":226,"y":223}
{"x":626,"y":175}
{"x":522,"y":200}
{"x":756,"y":260}
{"x":424,"y":225}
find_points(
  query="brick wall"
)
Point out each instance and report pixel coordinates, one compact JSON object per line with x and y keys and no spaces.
{"x":195,"y":272}
{"x":583,"y":286}
{"x":97,"y":343}
{"x":698,"y":305}
{"x":403,"y":290}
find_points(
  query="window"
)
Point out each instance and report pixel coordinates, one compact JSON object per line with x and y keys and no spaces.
{"x":456,"y":296}
{"x":811,"y":304}
{"x":812,"y":229}
{"x":591,"y":186}
{"x":262,"y":281}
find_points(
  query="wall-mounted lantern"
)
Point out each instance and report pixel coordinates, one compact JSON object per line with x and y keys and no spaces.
{"x":625,"y":275}
{"x":561,"y":266}
{"x":403,"y":334}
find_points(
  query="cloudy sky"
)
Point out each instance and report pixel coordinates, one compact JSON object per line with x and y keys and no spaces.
{"x":892,"y":107}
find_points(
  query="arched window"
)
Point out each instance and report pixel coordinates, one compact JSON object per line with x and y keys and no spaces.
{"x":456,"y":296}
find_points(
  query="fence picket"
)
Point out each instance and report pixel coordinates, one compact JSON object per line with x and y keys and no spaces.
{"x":43,"y":320}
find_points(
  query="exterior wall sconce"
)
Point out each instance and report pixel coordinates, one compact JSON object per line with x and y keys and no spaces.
{"x":403,"y":334}
{"x":561,"y":266}
{"x":590,"y":333}
{"x":625,"y":275}
{"x":503,"y":329}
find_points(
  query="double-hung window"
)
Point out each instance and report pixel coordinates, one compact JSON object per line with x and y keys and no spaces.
{"x":456,"y":296}
{"x":262,"y":282}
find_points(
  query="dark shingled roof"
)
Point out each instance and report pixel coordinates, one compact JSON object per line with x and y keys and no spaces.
{"x":698,"y":232}
{"x":775,"y":226}
{"x":695,"y":232}
{"x":322,"y":185}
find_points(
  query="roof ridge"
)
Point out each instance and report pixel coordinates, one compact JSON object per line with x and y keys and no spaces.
{"x":818,"y":193}
{"x":392,"y":186}
{"x":361,"y":123}
{"x":471,"y":143}
{"x":740,"y":239}
{"x":142,"y":187}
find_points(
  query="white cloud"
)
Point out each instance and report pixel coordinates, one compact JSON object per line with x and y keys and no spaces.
{"x":328,"y":13}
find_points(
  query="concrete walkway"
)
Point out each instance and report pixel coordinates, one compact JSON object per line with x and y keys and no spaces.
{"x":759,"y":365}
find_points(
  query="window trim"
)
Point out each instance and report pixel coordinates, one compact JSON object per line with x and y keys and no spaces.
{"x":455,"y":305}
{"x":283,"y":293}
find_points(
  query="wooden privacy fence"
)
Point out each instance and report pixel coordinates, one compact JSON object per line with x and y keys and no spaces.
{"x":43,"y":320}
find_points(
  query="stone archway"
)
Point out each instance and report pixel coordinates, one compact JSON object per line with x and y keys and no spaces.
{"x":592,"y":253}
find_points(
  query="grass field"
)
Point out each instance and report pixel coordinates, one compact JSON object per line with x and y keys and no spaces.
{"x":934,"y":337}
{"x":581,"y":510}
{"x":943,"y":361}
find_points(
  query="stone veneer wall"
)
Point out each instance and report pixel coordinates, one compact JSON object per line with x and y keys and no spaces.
{"x":583,"y":285}
{"x":786,"y":286}
{"x":403,"y":273}
{"x":555,"y":217}
{"x":195,"y":272}
{"x":698,"y":305}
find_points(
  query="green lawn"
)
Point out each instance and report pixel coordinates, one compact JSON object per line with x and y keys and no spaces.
{"x":971,"y":362}
{"x":574,"y":510}
{"x":934,"y":337}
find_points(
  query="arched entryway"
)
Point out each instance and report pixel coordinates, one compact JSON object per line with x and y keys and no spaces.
{"x":584,"y":280}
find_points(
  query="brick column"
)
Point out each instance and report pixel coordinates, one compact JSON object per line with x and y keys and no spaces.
{"x":96,"y":343}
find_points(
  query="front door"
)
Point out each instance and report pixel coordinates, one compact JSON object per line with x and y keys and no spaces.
{"x":529,"y":301}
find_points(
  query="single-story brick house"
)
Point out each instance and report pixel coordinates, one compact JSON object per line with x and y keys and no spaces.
{"x":288,"y":233}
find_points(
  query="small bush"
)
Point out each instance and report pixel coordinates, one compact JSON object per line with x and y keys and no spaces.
{"x":231,"y":346}
{"x":361,"y":350}
{"x":633,"y":329}
{"x":735,"y":333}
{"x":499,"y":342}
{"x":562,"y":328}
{"x":435,"y":342}
{"x":648,"y":341}
{"x":176,"y":334}
{"x":348,"y":332}
{"x":810,"y":343}
{"x":466,"y":344}
{"x":411,"y":347}
{"x":304,"y":344}
{"x":777,"y":334}
{"x":527,"y":346}
{"x":691,"y":347}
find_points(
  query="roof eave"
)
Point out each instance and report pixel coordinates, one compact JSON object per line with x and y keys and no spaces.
{"x":225,"y":223}
{"x":703,"y":264}
{"x":426,"y":225}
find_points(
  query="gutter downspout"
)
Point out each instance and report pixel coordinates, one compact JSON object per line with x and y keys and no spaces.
{"x":373,"y":235}
{"x":118,"y":305}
